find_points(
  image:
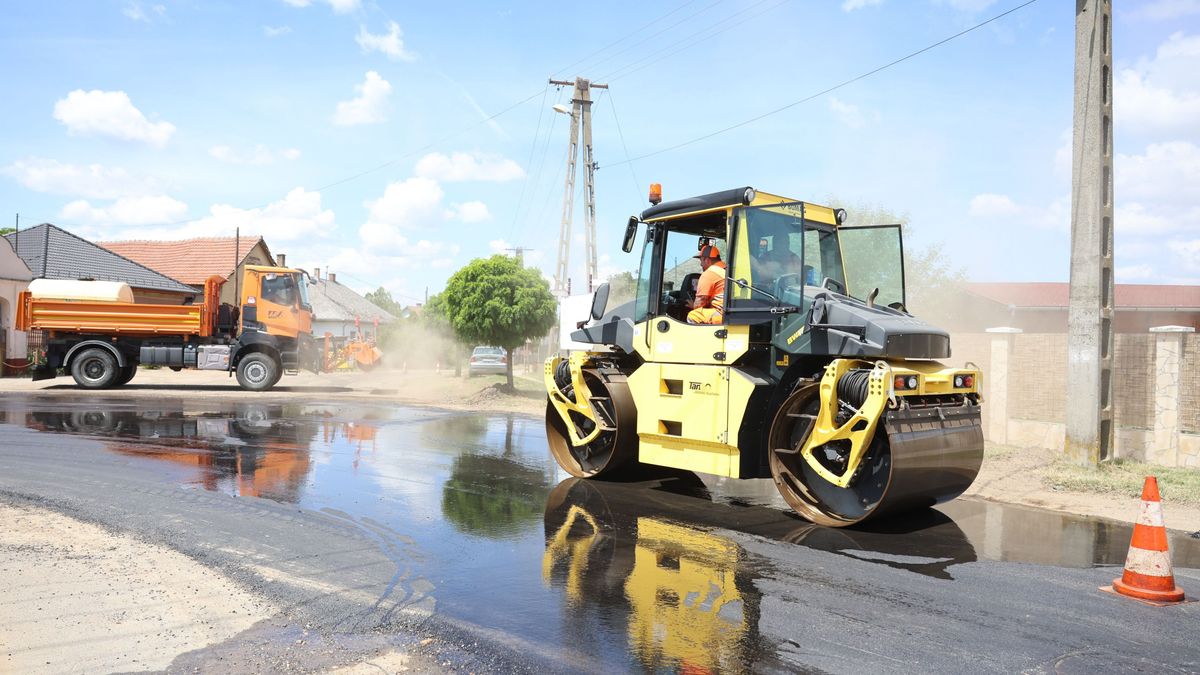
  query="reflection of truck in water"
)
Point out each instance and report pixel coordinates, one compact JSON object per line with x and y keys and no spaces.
{"x":96,"y":333}
{"x":257,"y":451}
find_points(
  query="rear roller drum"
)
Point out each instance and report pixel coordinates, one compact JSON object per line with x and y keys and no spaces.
{"x":613,"y":448}
{"x":899,"y":471}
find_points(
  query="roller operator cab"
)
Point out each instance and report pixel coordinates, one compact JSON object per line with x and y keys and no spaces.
{"x":815,"y":375}
{"x":100,"y":337}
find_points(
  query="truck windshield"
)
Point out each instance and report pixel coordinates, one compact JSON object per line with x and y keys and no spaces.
{"x":779,"y":252}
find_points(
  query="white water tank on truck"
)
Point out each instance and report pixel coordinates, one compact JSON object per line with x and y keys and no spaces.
{"x":71,"y":290}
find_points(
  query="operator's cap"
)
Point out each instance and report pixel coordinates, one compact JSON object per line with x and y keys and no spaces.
{"x":709,"y":251}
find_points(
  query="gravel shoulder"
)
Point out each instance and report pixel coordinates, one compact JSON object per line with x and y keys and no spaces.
{"x":79,"y":598}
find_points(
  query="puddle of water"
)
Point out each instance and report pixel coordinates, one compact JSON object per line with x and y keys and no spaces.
{"x":646,"y":570}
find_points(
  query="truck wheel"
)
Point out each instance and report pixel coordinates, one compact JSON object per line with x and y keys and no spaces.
{"x":95,"y":368}
{"x":127,"y":374}
{"x":257,"y":372}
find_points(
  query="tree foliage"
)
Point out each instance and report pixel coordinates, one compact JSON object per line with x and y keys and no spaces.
{"x":7,"y":230}
{"x":497,"y":301}
{"x":383,"y":299}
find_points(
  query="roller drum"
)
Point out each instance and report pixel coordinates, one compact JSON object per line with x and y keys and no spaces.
{"x":919,"y":457}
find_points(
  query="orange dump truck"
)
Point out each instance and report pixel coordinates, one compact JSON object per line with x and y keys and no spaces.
{"x":94,"y":330}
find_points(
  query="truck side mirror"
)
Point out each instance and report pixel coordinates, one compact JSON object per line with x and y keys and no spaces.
{"x":600,"y":302}
{"x":630,"y":234}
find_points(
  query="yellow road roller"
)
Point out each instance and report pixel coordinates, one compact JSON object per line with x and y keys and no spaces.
{"x":807,"y":367}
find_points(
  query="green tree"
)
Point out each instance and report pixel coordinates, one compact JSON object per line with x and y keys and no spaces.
{"x":496,"y":301}
{"x":436,"y":321}
{"x":622,"y":287}
{"x":383,"y":299}
{"x":7,"y":230}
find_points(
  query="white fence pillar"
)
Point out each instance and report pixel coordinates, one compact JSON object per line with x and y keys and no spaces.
{"x":1168,"y":370}
{"x":995,"y":404}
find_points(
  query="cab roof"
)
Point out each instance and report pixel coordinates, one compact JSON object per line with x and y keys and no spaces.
{"x":725,"y":199}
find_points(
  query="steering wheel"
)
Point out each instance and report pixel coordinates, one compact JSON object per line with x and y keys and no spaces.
{"x":782,"y":285}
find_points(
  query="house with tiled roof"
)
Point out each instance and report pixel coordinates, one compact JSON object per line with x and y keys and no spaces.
{"x":51,"y":252}
{"x":192,"y":261}
{"x":1041,"y":307}
{"x":337,"y":308}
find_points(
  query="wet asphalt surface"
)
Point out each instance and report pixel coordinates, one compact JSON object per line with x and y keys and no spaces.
{"x":375,"y":527}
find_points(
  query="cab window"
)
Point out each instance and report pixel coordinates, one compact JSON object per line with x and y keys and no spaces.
{"x":279,"y":289}
{"x":779,"y":253}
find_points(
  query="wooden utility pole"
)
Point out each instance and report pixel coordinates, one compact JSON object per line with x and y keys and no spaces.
{"x":581,"y":116}
{"x":1090,"y":313}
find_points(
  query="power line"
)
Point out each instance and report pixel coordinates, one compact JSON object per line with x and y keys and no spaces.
{"x":828,"y":90}
{"x":637,"y":184}
{"x":624,"y":37}
{"x":653,"y":35}
{"x":692,"y":40}
{"x":532,"y":150}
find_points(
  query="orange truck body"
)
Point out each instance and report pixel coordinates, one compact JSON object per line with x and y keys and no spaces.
{"x":120,"y":318}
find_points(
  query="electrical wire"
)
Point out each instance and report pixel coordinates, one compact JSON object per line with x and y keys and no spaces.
{"x":637,"y":184}
{"x":624,"y":37}
{"x":692,"y":40}
{"x":532,"y":150}
{"x":828,"y":90}
{"x":651,"y":36}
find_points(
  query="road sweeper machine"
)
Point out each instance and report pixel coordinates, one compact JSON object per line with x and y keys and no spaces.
{"x":817,"y":375}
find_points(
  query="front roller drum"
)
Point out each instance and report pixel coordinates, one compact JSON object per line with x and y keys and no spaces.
{"x":919,"y":457}
{"x":616,"y":445}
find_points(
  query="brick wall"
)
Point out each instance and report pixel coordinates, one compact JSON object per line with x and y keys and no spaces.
{"x":974,"y":347}
{"x":1133,"y":380}
{"x":1037,"y":385}
{"x":1189,"y":406}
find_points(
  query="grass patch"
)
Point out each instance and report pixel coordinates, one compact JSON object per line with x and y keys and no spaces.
{"x":997,"y":451}
{"x":1125,"y":478}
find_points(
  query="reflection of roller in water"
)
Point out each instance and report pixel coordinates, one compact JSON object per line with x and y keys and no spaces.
{"x":257,"y":450}
{"x":689,"y":602}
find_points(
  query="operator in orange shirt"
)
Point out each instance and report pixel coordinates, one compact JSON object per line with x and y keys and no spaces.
{"x":709,"y":306}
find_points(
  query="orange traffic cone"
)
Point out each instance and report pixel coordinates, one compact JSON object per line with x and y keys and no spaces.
{"x":1148,"y":573}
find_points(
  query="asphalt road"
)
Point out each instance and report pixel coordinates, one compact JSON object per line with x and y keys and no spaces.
{"x":377,"y":526}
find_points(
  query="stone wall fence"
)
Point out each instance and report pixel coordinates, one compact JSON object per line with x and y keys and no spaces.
{"x":1156,"y":391}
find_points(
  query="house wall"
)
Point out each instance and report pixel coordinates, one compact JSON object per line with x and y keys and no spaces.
{"x":14,"y":278}
{"x":258,"y":255}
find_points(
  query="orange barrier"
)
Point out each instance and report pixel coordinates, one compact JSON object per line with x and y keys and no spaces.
{"x":1148,"y":574}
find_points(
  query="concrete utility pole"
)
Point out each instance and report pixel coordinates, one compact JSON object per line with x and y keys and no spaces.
{"x":1090,"y":315}
{"x":581,"y":115}
{"x":519,"y":253}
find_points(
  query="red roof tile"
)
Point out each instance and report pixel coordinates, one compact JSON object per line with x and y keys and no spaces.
{"x":1057,"y":294}
{"x":191,"y":261}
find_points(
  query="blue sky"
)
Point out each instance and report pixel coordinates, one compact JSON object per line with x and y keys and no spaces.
{"x":351,"y":133}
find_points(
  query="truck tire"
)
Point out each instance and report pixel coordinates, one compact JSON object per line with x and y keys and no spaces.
{"x":127,"y":374}
{"x":257,"y":372}
{"x":95,"y":368}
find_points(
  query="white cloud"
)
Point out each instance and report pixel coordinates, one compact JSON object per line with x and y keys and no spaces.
{"x":259,"y":155}
{"x":148,"y":210}
{"x":993,"y":206}
{"x":967,"y":5}
{"x":276,"y":31}
{"x":137,"y":11}
{"x":1167,"y":172}
{"x":406,"y":204}
{"x":338,"y":6}
{"x":1161,"y":95}
{"x":848,"y":113}
{"x":390,"y":44}
{"x":1055,"y":216}
{"x":109,"y":113}
{"x":471,"y":212}
{"x":1161,"y":10}
{"x":93,"y":181}
{"x":370,"y":105}
{"x":1187,"y":253}
{"x":464,"y":166}
{"x":298,"y":217}
{"x":851,"y":5}
{"x":499,"y":245}
{"x":1135,"y":273}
